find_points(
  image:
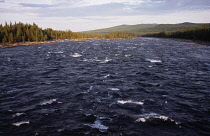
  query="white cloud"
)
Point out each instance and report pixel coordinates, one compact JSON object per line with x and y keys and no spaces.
{"x":34,"y":1}
{"x":79,"y":15}
{"x":101,"y":2}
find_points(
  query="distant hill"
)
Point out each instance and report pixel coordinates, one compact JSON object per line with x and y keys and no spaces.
{"x":121,"y":28}
{"x":141,"y":29}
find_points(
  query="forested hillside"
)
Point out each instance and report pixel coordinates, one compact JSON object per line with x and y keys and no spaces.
{"x":142,"y":29}
{"x":19,"y":32}
{"x":121,"y":28}
{"x":199,"y":33}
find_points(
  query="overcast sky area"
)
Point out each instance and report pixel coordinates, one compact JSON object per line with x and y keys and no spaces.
{"x":81,"y":15}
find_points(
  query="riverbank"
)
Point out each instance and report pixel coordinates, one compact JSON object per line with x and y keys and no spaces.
{"x":56,"y":41}
{"x":27,"y":43}
{"x":7,"y":45}
{"x":194,"y":41}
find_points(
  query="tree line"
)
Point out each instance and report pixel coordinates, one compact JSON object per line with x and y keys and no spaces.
{"x":199,"y":33}
{"x":19,"y":32}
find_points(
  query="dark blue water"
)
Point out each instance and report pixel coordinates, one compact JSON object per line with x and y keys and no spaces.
{"x":124,"y":87}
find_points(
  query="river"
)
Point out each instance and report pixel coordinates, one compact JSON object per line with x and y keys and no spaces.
{"x":121,"y":87}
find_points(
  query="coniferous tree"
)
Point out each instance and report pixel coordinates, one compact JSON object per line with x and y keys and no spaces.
{"x":11,"y":38}
{"x":20,"y":32}
{"x":200,"y":33}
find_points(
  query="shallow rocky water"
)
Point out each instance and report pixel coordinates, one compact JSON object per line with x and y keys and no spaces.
{"x":123,"y":87}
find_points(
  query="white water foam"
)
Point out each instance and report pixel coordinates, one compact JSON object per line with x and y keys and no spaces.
{"x":91,"y":88}
{"x":97,"y":124}
{"x":12,"y":91}
{"x":106,"y":76}
{"x":114,"y":89}
{"x":76,"y":55}
{"x":151,"y":116}
{"x":48,"y":102}
{"x":154,"y":61}
{"x":87,"y":60}
{"x":129,"y":101}
{"x":112,"y":80}
{"x":59,"y":52}
{"x":20,"y":123}
{"x":91,"y":60}
{"x":128,"y":55}
{"x":56,"y":52}
{"x":18,"y":114}
{"x":97,"y":60}
{"x":105,"y":61}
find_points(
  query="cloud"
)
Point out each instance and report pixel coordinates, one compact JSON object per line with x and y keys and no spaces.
{"x":102,"y":2}
{"x":83,"y":8}
{"x":35,"y":5}
{"x":111,"y":9}
{"x":33,"y":2}
{"x":184,"y":4}
{"x":90,"y":14}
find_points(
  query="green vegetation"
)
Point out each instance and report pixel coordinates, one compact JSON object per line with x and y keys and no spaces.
{"x":168,"y":27}
{"x":121,"y":28}
{"x":12,"y":33}
{"x":184,"y":30}
{"x":199,"y":33}
{"x":19,"y":32}
{"x":142,"y":29}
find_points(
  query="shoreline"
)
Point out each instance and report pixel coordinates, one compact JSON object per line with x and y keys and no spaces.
{"x":207,"y":43}
{"x":27,"y":43}
{"x":197,"y":42}
{"x":56,"y":41}
{"x":8,"y":45}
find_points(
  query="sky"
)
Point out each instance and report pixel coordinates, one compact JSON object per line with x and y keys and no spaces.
{"x":82,"y":15}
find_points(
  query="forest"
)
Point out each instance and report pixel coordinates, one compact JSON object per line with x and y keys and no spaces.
{"x":199,"y":33}
{"x":143,"y":29}
{"x":19,"y":32}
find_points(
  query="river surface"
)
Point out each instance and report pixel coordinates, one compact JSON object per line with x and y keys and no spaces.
{"x":123,"y":87}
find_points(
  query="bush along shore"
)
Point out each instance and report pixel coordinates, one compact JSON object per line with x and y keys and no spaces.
{"x":17,"y":34}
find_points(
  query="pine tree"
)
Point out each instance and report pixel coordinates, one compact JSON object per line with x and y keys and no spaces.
{"x":11,"y":38}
